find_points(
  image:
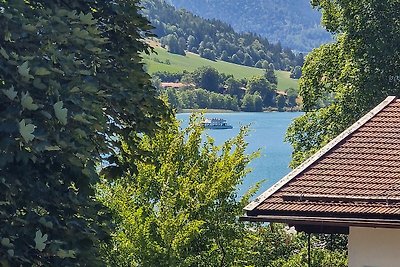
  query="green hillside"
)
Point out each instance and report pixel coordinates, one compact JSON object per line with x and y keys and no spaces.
{"x":294,"y":23}
{"x":181,"y":30}
{"x":164,"y":61}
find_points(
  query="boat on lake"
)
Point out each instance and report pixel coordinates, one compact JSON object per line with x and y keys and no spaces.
{"x":216,"y":123}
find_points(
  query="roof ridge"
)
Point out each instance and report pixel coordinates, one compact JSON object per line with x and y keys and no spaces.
{"x":302,"y":167}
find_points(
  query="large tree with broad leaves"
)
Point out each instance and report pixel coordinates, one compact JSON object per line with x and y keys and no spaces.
{"x":181,"y":211}
{"x":343,"y":80}
{"x":72,"y":88}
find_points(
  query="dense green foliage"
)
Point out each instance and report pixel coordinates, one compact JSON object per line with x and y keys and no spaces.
{"x":351,"y":76}
{"x":182,"y":210}
{"x":252,"y":102}
{"x":207,"y":78}
{"x":270,"y":74}
{"x":264,"y":88}
{"x":70,"y":79}
{"x":294,"y":23}
{"x":213,"y":39}
{"x":292,"y":95}
{"x":176,"y":64}
{"x":168,"y":76}
{"x":75,"y":103}
{"x":296,"y":73}
{"x":220,"y":91}
{"x":280,"y":102}
{"x":234,"y":87}
{"x":189,"y":98}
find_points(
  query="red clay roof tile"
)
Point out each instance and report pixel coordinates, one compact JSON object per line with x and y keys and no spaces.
{"x":359,"y":176}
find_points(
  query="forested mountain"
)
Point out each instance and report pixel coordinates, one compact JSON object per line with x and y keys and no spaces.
{"x":181,"y":31}
{"x":292,"y":22}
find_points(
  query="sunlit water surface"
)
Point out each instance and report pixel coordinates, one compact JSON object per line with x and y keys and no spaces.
{"x":267,"y":132}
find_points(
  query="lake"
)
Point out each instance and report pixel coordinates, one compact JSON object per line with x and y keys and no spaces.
{"x":267,"y":132}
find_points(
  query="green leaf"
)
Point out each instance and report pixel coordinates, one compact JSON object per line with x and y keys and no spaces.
{"x":10,"y":252}
{"x":75,"y":89}
{"x":52,"y":148}
{"x":75,"y":161}
{"x":62,"y":12}
{"x":90,"y":89}
{"x":46,"y":114}
{"x":26,"y":131}
{"x":5,"y":242}
{"x":7,"y":36}
{"x":46,"y":223}
{"x":57,"y":71}
{"x":94,"y":49}
{"x":66,"y":254}
{"x":85,"y":72}
{"x":27,"y":102}
{"x":81,"y":118}
{"x":81,"y":133}
{"x":40,"y":240}
{"x":4,"y":53}
{"x":10,"y":93}
{"x":29,"y":27}
{"x":87,"y":19}
{"x":42,"y":71}
{"x":83,"y":34}
{"x":37,"y":83}
{"x":4,"y":263}
{"x":24,"y":69}
{"x":61,"y":113}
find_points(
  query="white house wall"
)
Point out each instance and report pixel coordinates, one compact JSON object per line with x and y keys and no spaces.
{"x":374,"y":247}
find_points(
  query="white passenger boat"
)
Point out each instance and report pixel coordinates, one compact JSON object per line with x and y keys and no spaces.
{"x":216,"y":124}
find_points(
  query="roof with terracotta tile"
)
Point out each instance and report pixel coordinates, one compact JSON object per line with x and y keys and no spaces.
{"x":355,"y":178}
{"x":174,"y":85}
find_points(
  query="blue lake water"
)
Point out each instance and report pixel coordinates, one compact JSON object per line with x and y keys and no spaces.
{"x":267,"y":132}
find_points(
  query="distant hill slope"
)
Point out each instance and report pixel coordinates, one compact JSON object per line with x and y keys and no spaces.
{"x":292,"y":22}
{"x":180,"y":31}
{"x":164,"y":61}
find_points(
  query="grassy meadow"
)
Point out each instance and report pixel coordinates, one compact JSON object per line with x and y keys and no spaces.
{"x":164,"y":61}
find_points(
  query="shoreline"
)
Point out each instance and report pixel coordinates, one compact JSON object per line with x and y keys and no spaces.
{"x":205,"y":111}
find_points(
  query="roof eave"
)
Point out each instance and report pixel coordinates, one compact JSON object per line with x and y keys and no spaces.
{"x":318,"y":222}
{"x":319,"y":154}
